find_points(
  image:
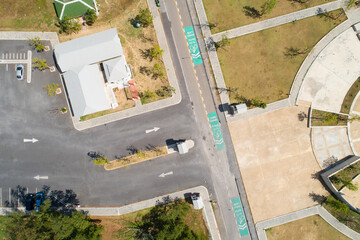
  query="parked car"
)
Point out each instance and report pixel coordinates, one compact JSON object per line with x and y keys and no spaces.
{"x":29,"y":202}
{"x":20,"y":72}
{"x":39,"y":199}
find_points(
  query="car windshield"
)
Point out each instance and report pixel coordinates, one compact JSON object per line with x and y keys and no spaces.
{"x":18,"y":68}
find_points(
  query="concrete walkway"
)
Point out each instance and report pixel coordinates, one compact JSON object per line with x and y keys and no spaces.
{"x":318,"y":209}
{"x":273,"y":22}
{"x":208,"y":212}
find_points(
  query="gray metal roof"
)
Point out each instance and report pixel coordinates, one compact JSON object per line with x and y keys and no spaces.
{"x":88,"y":50}
{"x":86,"y":90}
{"x":117,"y":70}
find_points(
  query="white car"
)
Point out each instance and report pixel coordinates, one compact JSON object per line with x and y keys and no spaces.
{"x":20,"y":72}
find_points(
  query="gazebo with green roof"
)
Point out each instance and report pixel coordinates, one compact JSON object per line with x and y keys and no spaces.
{"x":73,"y":8}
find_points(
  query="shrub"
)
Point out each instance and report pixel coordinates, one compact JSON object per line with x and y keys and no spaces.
{"x":90,"y":17}
{"x":51,"y":89}
{"x":68,"y":25}
{"x":37,"y":44}
{"x":40,"y":64}
{"x":165,"y":91}
{"x":145,"y":96}
{"x":101,"y":160}
{"x":144,"y":17}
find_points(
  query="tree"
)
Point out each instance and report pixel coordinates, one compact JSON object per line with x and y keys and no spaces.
{"x":144,"y":17}
{"x":293,"y":52}
{"x":101,"y":160}
{"x":165,"y":221}
{"x":337,"y":205}
{"x":156,"y":52}
{"x":268,"y":6}
{"x":90,"y":17}
{"x":158,"y":71}
{"x":37,"y":44}
{"x":252,"y":12}
{"x":68,"y":25}
{"x":224,"y":42}
{"x":50,"y":224}
{"x":40,"y":64}
{"x":51,"y":89}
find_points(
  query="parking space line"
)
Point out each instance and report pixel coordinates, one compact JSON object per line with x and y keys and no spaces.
{"x":27,"y":190}
{"x":18,"y":197}
{"x":17,"y":55}
{"x":35,"y":190}
{"x":0,"y":197}
{"x":10,"y":196}
{"x":7,"y":67}
{"x":13,"y":55}
{"x":24,"y":55}
{"x":2,"y":55}
{"x":6,"y":55}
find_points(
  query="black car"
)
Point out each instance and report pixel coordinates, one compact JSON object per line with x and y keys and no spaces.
{"x":29,"y":202}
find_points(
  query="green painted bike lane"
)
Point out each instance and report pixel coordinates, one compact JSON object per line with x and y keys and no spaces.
{"x":216,"y":130}
{"x":193,"y":45}
{"x":240,"y":216}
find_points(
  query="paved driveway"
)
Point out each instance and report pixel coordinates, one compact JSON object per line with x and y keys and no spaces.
{"x":276,"y":162}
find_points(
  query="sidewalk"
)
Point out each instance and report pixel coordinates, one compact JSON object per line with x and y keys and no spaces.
{"x":318,"y":209}
{"x":208,"y":212}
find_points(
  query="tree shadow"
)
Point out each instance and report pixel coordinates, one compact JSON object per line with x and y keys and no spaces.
{"x":317,"y":197}
{"x":64,"y":201}
{"x":146,"y":54}
{"x":302,"y":116}
{"x":145,"y":70}
{"x":132,"y":149}
{"x":166,"y":200}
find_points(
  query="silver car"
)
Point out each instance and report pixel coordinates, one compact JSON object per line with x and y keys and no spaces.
{"x":20,"y":72}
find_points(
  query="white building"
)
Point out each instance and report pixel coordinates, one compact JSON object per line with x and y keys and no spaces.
{"x":92,"y":66}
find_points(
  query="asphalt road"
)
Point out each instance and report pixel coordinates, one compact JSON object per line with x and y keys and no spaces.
{"x":61,"y":153}
{"x":27,"y":111}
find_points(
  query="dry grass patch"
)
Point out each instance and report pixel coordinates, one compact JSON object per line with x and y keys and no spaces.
{"x":228,"y":14}
{"x":36,"y":15}
{"x":257,"y":65}
{"x":310,"y":228}
{"x":139,"y":156}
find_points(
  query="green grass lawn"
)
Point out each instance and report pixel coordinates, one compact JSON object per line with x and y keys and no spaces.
{"x":350,"y":96}
{"x":346,"y":175}
{"x":228,"y":14}
{"x":322,"y":118}
{"x":256,"y":63}
{"x":29,"y":15}
{"x":313,"y":227}
{"x":2,"y":232}
{"x":116,"y":227}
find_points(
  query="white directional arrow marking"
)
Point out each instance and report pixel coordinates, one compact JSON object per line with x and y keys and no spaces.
{"x":152,"y":130}
{"x":33,"y":140}
{"x":41,"y":177}
{"x":165,"y":174}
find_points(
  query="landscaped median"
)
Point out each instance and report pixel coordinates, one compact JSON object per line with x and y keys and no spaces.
{"x":138,"y":156}
{"x":265,"y":69}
